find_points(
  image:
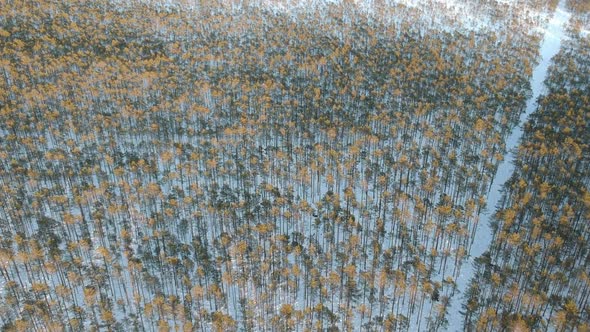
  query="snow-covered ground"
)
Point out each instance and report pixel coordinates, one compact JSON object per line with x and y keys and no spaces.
{"x":554,"y":33}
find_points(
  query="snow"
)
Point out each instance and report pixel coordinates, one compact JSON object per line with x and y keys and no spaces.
{"x":554,"y":34}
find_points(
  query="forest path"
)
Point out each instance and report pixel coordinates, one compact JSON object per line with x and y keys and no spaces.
{"x":553,"y":35}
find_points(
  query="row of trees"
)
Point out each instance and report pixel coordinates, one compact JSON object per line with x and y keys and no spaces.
{"x":233,"y":167}
{"x":535,"y":274}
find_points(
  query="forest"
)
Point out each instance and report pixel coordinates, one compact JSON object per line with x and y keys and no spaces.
{"x":244,"y":166}
{"x":535,"y":274}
